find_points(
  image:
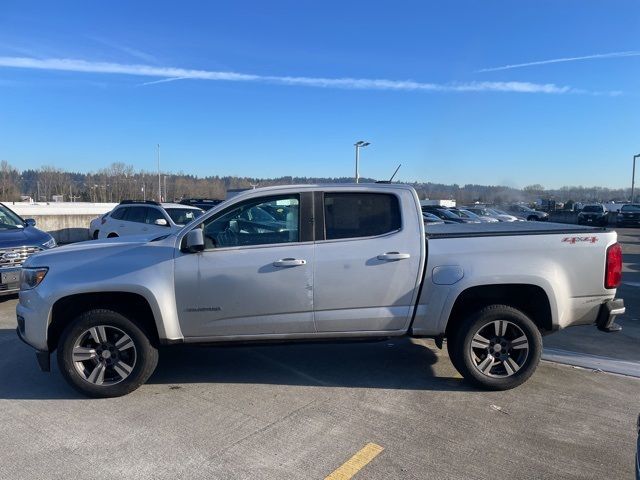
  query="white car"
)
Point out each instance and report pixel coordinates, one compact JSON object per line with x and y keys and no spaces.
{"x":96,"y":224}
{"x":145,"y":217}
{"x":492,"y":212}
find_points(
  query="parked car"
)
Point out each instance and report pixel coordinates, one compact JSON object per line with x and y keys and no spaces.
{"x":19,"y":239}
{"x":132,"y":217}
{"x":203,"y":203}
{"x":446,"y":214}
{"x":492,"y":212}
{"x":593,"y":214}
{"x":525,"y":212}
{"x":629,"y":215}
{"x":96,"y":224}
{"x":431,"y":219}
{"x":504,"y":216}
{"x":350,"y":264}
{"x":465,"y":213}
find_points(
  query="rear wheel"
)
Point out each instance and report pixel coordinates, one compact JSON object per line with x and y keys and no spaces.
{"x":498,"y":348}
{"x":95,"y":234}
{"x":104,"y":354}
{"x":112,"y":235}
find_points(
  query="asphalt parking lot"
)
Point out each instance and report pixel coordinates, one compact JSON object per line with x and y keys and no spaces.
{"x":302,"y":411}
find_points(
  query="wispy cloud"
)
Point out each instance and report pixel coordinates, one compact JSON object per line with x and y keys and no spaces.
{"x":167,"y":74}
{"x":133,"y":52}
{"x":563,"y":60}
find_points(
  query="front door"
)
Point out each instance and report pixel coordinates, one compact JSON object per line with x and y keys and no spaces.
{"x":255,"y":276}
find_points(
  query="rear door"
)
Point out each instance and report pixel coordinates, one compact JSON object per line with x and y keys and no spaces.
{"x":367,"y":261}
{"x":134,"y":221}
{"x":115,"y":222}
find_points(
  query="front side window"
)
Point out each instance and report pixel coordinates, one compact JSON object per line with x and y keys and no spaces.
{"x":251,"y":223}
{"x":352,"y":215}
{"x":154,"y":214}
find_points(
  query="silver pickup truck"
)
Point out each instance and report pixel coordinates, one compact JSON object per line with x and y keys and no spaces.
{"x":301,"y":263}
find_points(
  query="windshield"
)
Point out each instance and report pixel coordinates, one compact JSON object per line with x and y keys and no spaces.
{"x":9,"y":220}
{"x":593,"y":208}
{"x":430,"y":217}
{"x":630,"y":208}
{"x":182,"y":216}
{"x":495,"y":211}
{"x":447,"y":214}
{"x":468,"y":214}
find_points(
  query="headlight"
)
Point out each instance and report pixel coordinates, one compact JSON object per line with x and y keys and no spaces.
{"x":32,"y":277}
{"x":49,"y":243}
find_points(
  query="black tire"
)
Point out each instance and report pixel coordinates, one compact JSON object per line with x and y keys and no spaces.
{"x":95,"y":234}
{"x":462,"y":349}
{"x":112,"y":235}
{"x":532,"y":218}
{"x":146,"y":355}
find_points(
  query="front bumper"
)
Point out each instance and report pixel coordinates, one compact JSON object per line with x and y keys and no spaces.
{"x":608,"y":313}
{"x":43,"y":357}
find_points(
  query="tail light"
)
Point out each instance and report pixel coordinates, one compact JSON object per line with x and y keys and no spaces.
{"x":613,"y":271}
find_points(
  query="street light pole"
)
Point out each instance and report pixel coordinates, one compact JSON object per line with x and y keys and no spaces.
{"x":633,"y":175}
{"x":159,"y":186}
{"x":360,"y":144}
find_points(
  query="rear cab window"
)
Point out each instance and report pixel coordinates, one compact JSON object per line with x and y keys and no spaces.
{"x":357,"y":215}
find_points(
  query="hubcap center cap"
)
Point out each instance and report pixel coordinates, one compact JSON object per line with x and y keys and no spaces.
{"x":497,"y":348}
{"x":106,"y":354}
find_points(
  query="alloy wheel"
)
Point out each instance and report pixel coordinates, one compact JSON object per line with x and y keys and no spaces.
{"x":499,"y":349}
{"x":104,"y":355}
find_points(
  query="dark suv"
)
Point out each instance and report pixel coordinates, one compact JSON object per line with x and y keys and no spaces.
{"x":19,"y":239}
{"x":629,"y":215}
{"x":594,"y":214}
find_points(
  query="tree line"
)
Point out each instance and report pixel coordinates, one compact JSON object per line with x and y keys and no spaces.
{"x":120,"y":181}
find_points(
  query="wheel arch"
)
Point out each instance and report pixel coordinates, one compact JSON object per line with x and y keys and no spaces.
{"x":531,"y":299}
{"x":132,"y":305}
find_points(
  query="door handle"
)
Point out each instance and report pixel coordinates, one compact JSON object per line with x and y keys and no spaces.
{"x":393,"y":256}
{"x":289,"y":262}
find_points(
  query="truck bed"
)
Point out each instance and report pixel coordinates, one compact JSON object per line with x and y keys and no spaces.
{"x":460,"y":230}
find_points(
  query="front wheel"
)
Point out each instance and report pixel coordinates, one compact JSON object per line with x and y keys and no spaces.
{"x":498,"y":348}
{"x":104,"y":354}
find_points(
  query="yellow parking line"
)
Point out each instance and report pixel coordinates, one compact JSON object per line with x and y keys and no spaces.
{"x":352,"y":466}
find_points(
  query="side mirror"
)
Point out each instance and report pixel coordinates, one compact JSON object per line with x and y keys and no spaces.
{"x":30,"y":222}
{"x":161,"y":221}
{"x":194,"y":241}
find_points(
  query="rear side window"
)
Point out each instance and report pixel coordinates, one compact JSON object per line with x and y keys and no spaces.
{"x":118,"y":213}
{"x":352,"y":215}
{"x":136,"y":214}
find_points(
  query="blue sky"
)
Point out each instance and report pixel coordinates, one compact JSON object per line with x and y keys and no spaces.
{"x":277,"y":88}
